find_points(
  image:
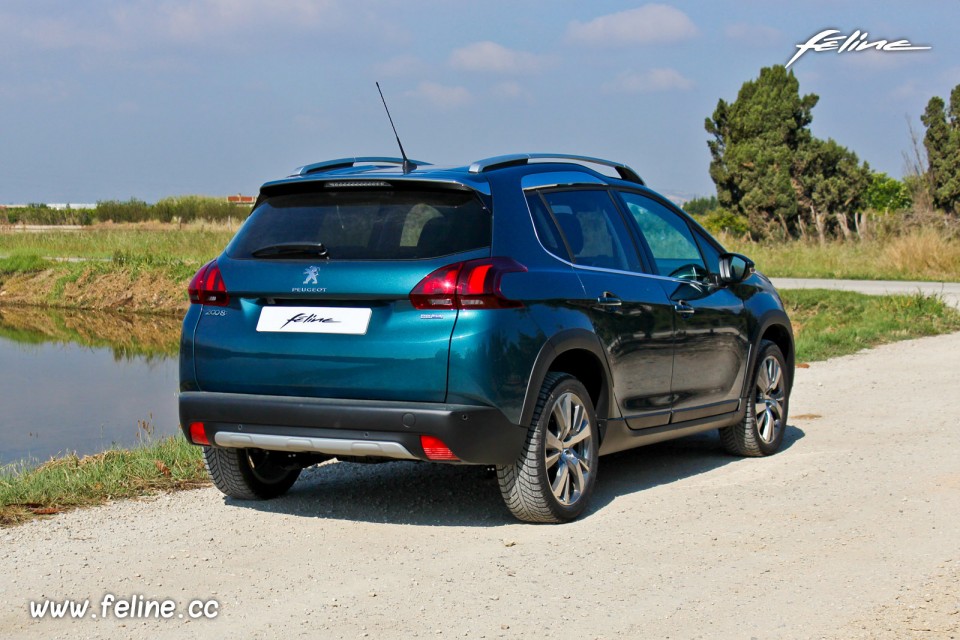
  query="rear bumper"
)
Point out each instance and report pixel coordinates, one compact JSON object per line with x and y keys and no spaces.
{"x":475,"y":434}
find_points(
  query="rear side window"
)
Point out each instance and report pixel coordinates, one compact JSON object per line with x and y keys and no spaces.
{"x":593,"y":229}
{"x":546,"y":230}
{"x":365,"y":225}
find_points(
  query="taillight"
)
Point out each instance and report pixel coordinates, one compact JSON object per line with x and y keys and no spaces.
{"x":474,"y":284}
{"x":198,"y":434}
{"x":435,"y":449}
{"x":207,"y":286}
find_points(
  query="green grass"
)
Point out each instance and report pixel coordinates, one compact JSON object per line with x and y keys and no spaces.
{"x":70,"y":482}
{"x":827,"y":324}
{"x":192,"y":244}
{"x":22,"y":263}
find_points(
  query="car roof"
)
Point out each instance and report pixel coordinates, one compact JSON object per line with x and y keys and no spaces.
{"x":474,"y":176}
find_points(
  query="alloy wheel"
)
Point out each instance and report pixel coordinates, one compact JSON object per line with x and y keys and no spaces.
{"x":568,"y":451}
{"x":769,"y":399}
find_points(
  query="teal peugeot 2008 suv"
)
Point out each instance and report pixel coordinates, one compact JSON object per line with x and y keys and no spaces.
{"x":527,"y":312}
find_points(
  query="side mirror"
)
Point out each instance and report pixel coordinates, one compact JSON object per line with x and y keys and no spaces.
{"x":735,"y":268}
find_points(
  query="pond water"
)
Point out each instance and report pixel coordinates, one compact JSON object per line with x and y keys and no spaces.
{"x":82,"y":382}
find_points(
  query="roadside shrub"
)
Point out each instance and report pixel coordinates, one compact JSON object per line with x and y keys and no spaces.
{"x":132,"y":210}
{"x":189,"y":208}
{"x":42,"y":214}
{"x":724,"y":221}
{"x":173,"y":209}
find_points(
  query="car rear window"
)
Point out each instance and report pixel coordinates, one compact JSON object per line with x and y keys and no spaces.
{"x":366,"y":225}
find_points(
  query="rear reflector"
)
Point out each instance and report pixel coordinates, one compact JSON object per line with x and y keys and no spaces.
{"x":436,"y":450}
{"x":474,"y":284}
{"x":207,"y":286}
{"x":198,"y":434}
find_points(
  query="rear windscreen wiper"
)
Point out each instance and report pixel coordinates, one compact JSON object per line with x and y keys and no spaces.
{"x":288,"y":249}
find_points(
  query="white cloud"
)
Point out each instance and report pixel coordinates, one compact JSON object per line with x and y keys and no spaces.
{"x":651,"y":81}
{"x":492,"y":57}
{"x":511,"y":91}
{"x":203,"y":20}
{"x":649,"y":24}
{"x":131,"y":25}
{"x":755,"y":35}
{"x":402,"y":65}
{"x":441,"y":96}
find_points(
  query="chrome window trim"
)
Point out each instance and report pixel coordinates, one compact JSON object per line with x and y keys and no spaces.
{"x":558,"y":179}
{"x":645,"y":274}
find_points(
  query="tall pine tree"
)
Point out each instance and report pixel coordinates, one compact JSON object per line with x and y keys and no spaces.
{"x":942,"y":141}
{"x":770,"y":169}
{"x":755,"y":140}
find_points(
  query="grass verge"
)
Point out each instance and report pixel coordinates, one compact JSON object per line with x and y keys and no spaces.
{"x":922,"y":255}
{"x":62,"y":484}
{"x":827,"y":324}
{"x":192,"y":244}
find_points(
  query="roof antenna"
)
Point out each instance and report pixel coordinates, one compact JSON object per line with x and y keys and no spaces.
{"x":407,"y":165}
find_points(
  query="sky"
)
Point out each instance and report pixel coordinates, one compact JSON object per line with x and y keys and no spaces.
{"x":113,"y":99}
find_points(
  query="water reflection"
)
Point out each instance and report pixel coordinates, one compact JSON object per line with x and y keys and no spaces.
{"x":82,"y":381}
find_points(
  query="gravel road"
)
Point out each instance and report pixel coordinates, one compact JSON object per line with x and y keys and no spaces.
{"x":949,"y":291}
{"x":852,"y":531}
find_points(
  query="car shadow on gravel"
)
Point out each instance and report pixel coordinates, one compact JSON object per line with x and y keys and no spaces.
{"x":425,"y":494}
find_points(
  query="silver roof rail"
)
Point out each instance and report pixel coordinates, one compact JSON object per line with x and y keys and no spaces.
{"x":343,"y":163}
{"x":497,"y":162}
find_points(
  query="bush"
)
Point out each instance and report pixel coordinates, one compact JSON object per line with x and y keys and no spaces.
{"x":42,"y":214}
{"x":189,"y":208}
{"x":172,"y":209}
{"x":132,"y":210}
{"x":722,"y":221}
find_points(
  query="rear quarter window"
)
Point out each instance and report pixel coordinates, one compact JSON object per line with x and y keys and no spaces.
{"x":368,"y":225}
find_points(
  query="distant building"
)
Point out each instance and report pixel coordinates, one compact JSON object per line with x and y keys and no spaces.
{"x":239,"y":199}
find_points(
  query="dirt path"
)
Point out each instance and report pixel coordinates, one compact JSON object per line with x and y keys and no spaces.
{"x":852,"y":531}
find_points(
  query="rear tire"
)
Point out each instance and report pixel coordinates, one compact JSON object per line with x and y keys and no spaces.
{"x":249,"y":474}
{"x":760,"y":433}
{"x":553,"y":478}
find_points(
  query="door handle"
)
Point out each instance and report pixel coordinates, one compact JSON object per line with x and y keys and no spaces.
{"x":683,"y":309}
{"x":609,"y":301}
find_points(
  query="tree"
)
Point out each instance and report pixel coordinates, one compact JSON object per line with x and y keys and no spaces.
{"x":770,"y":170}
{"x":886,"y":194}
{"x":942,"y":142}
{"x":831,"y":187}
{"x":701,"y":206}
{"x":755,"y":140}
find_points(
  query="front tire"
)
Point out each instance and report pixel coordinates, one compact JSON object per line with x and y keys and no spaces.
{"x":553,"y":478}
{"x":760,"y":433}
{"x":249,"y":474}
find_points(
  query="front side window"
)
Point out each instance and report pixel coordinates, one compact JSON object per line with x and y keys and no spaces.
{"x":592,"y":229}
{"x":671,"y":242}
